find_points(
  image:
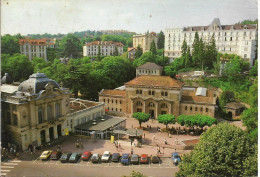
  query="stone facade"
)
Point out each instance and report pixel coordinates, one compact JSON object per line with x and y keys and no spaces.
{"x":131,"y":53}
{"x":144,"y":40}
{"x":159,"y":95}
{"x":107,"y":48}
{"x":231,"y":39}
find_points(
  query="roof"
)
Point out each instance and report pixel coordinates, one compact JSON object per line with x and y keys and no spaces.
{"x":155,"y":81}
{"x":8,"y":88}
{"x":234,"y":105}
{"x":101,"y":125}
{"x":79,"y":104}
{"x":130,"y":49}
{"x":201,"y":91}
{"x":36,"y":83}
{"x":41,"y":42}
{"x":191,"y":96}
{"x":104,"y":43}
{"x":224,"y":27}
{"x":149,"y":65}
{"x":120,"y":88}
{"x":134,"y":132}
{"x":113,"y":92}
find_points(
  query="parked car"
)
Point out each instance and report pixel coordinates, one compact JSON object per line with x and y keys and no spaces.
{"x":45,"y":155}
{"x":125,"y":159}
{"x":95,"y":158}
{"x":134,"y":159}
{"x":55,"y":155}
{"x":105,"y":157}
{"x":74,"y":157}
{"x":86,"y":155}
{"x":144,"y":158}
{"x":65,"y":157}
{"x":176,"y":158}
{"x":115,"y":157}
{"x":155,"y":159}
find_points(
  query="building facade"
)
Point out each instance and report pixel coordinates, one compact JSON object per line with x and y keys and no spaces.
{"x":159,"y":95}
{"x":107,"y":48}
{"x":35,"y":112}
{"x":231,"y":39}
{"x":149,"y":69}
{"x":145,"y":40}
{"x":131,"y":53}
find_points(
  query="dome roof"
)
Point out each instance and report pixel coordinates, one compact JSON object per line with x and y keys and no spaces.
{"x":36,"y":83}
{"x":7,"y":79}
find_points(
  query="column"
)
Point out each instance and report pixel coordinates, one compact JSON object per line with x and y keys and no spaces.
{"x":38,"y":136}
{"x":144,"y":107}
{"x":170,"y":108}
{"x":132,"y":110}
{"x":156,"y":110}
{"x":55,"y":132}
{"x":47,"y":135}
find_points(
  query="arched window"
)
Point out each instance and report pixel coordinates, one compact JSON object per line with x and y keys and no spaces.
{"x":57,"y":110}
{"x":166,"y":94}
{"x":196,"y":109}
{"x":139,"y":103}
{"x":186,"y":107}
{"x":163,"y":105}
{"x":151,"y":104}
{"x":49,"y":112}
{"x":191,"y":108}
{"x":107,"y":100}
{"x":40,"y":115}
{"x":201,"y":109}
{"x":150,"y":92}
{"x":207,"y":109}
{"x":137,"y":91}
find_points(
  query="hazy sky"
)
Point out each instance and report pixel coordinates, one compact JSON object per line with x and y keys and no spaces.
{"x":63,"y":16}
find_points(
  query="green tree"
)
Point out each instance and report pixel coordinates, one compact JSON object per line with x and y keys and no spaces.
{"x":153,"y":48}
{"x":71,"y":46}
{"x":187,"y":58}
{"x":254,"y":69}
{"x":135,"y":174}
{"x":17,"y":66}
{"x":10,"y":44}
{"x":196,"y":50}
{"x":146,"y":57}
{"x":160,"y":42}
{"x":116,"y":52}
{"x":99,"y":53}
{"x":141,"y":117}
{"x":166,"y":119}
{"x":184,"y":48}
{"x":250,"y":120}
{"x":223,"y":150}
{"x":198,"y":120}
{"x":139,"y":52}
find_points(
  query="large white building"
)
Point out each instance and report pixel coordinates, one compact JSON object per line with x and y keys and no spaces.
{"x":231,"y":39}
{"x":106,"y":48}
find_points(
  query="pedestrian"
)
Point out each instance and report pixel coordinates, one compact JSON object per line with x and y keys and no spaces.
{"x":11,"y":150}
{"x":31,"y":151}
{"x":34,"y":148}
{"x":159,"y":150}
{"x":170,"y":135}
{"x":150,"y":127}
{"x":153,"y":137}
{"x":119,"y":145}
{"x":144,"y":135}
{"x":131,"y":142}
{"x":58,"y":148}
{"x":132,"y":151}
{"x":147,"y":126}
{"x":163,"y":150}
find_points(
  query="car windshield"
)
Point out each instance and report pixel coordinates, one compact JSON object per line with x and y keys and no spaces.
{"x":106,"y":155}
{"x":176,"y":156}
{"x":45,"y":153}
{"x":84,"y":155}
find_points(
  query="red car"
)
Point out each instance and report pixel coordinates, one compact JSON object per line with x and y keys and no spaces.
{"x":144,"y":158}
{"x":86,"y":155}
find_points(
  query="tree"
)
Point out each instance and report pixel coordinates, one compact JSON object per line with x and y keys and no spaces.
{"x":254,"y":70}
{"x":195,"y":50}
{"x":10,"y":44}
{"x":17,"y":66}
{"x":71,"y":46}
{"x":139,"y":52}
{"x":184,"y":48}
{"x":198,"y":120}
{"x":141,"y":117}
{"x":135,"y":174}
{"x":250,"y":120}
{"x":116,"y":52}
{"x":153,"y":48}
{"x":160,"y":42}
{"x":99,"y":53}
{"x":187,"y":58}
{"x":146,"y":57}
{"x":223,"y":150}
{"x":166,"y":119}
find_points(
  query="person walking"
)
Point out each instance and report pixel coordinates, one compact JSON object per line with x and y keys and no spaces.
{"x":159,"y":150}
{"x":153,"y":138}
{"x":132,"y":151}
{"x":144,"y":135}
{"x":165,"y":141}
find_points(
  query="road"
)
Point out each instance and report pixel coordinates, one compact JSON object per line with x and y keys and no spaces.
{"x":55,"y":168}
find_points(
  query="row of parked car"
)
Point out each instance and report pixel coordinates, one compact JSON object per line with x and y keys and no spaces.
{"x":125,"y":159}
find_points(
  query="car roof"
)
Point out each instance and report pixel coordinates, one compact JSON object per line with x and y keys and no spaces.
{"x":47,"y":151}
{"x":175,"y":153}
{"x":106,"y":152}
{"x":95,"y":154}
{"x":125,"y":154}
{"x":115,"y":154}
{"x":144,"y":155}
{"x":86,"y":152}
{"x":134,"y":155}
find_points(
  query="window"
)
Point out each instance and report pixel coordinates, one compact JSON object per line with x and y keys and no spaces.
{"x":245,"y":49}
{"x":107,"y":100}
{"x":49,"y":113}
{"x":152,"y":92}
{"x":139,"y":92}
{"x":196,"y":109}
{"x":164,"y":105}
{"x":151,"y":104}
{"x":245,"y":55}
{"x":139,"y":103}
{"x":116,"y":109}
{"x":201,"y":109}
{"x":15,"y":119}
{"x":104,"y":100}
{"x":107,"y":108}
{"x":57,"y":110}
{"x":40,"y":115}
{"x":120,"y":102}
{"x":120,"y":110}
{"x":191,"y":108}
{"x":230,"y":38}
{"x":112,"y":101}
{"x":139,"y":110}
{"x":225,"y":39}
{"x":186,"y":107}
{"x":207,"y":109}
{"x":112,"y":109}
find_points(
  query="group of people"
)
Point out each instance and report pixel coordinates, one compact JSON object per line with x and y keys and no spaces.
{"x":117,"y":144}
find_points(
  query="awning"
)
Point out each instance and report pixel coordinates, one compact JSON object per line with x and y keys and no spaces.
{"x":134,"y":132}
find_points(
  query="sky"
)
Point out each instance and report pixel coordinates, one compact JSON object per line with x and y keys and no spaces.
{"x":65,"y":16}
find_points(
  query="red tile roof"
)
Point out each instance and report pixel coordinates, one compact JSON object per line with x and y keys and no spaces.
{"x":130,"y":48}
{"x":149,"y":65}
{"x":155,"y":81}
{"x":189,"y":96}
{"x":33,"y":41}
{"x":114,"y":92}
{"x":104,"y":43}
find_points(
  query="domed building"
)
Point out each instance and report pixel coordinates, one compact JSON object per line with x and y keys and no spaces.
{"x":35,"y":111}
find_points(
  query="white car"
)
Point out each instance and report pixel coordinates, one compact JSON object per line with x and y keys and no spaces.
{"x":105,"y":157}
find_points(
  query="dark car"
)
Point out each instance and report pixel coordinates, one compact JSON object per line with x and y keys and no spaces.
{"x":86,"y":155}
{"x":95,"y":158}
{"x":176,"y":158}
{"x":155,"y":159}
{"x":125,"y":159}
{"x":144,"y":158}
{"x":74,"y":157}
{"x":55,"y":155}
{"x":65,"y":157}
{"x":134,"y":159}
{"x":115,"y":157}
